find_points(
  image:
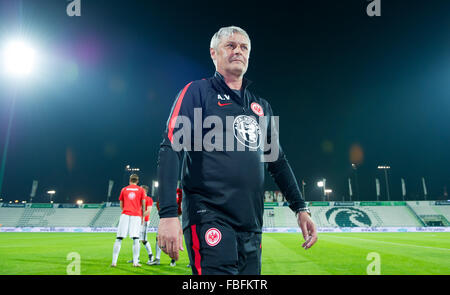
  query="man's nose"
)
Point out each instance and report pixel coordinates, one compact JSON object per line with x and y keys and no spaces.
{"x":238,"y":50}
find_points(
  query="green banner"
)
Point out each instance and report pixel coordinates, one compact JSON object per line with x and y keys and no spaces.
{"x":399,"y":203}
{"x":319,"y":204}
{"x":375,"y":204}
{"x":271,"y":204}
{"x":92,"y":206}
{"x":38,"y":205}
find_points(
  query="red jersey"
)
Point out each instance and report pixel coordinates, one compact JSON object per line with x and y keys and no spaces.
{"x":132,"y":197}
{"x":148,"y":203}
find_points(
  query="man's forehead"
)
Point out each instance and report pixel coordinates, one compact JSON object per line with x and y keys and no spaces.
{"x":236,"y":37}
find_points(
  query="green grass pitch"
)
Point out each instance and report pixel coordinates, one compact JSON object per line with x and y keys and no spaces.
{"x":337,"y":253}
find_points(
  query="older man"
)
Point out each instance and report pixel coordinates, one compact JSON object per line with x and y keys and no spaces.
{"x":223,"y":135}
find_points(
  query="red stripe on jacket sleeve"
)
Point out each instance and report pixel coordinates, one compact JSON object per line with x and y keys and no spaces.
{"x":176,"y":110}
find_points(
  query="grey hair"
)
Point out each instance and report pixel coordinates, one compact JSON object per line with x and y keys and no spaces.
{"x":226,"y":32}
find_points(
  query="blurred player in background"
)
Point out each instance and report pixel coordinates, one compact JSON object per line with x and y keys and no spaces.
{"x":158,"y":250}
{"x":148,"y":209}
{"x":132,"y":203}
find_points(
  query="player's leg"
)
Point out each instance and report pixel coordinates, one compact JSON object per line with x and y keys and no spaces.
{"x":156,"y":261}
{"x":249,"y":253}
{"x":136,"y":250}
{"x":135,"y":227}
{"x":143,"y":239}
{"x":116,"y":251}
{"x":121,"y":233}
{"x":146,"y":244}
{"x":158,"y":249}
{"x":212,"y":249}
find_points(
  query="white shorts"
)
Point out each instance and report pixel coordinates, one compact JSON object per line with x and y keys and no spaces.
{"x":129,"y":226}
{"x":144,"y":227}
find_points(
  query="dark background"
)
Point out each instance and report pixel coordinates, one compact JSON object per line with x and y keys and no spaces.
{"x":340,"y":81}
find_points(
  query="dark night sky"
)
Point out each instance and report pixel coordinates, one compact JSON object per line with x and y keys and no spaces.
{"x":335,"y":76}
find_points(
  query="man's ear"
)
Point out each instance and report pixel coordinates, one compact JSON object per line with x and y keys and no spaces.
{"x":212,"y":53}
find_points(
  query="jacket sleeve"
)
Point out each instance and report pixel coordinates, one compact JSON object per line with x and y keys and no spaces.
{"x":173,"y":147}
{"x":280,"y":169}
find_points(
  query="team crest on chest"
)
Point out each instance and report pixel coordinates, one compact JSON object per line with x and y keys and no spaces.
{"x":257,"y":109}
{"x":213,"y":237}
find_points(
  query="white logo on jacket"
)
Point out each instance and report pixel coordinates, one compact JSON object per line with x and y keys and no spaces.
{"x":226,"y":97}
{"x":247,"y":131}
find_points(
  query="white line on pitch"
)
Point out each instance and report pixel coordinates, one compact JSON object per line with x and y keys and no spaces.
{"x":399,"y":244}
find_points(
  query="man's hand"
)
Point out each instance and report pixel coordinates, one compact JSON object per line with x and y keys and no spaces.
{"x":170,"y":236}
{"x":308,"y":229}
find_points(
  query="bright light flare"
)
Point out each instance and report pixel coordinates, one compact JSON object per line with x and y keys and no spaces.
{"x":18,"y":59}
{"x":384,"y":167}
{"x":320,"y":183}
{"x":79,"y":202}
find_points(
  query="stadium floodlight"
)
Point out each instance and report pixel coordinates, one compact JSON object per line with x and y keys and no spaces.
{"x":18,"y":61}
{"x":18,"y":58}
{"x":51,"y":193}
{"x":384,"y":167}
{"x":327,"y":193}
{"x":322,"y":184}
{"x":132,"y":169}
{"x":79,"y":202}
{"x":156,"y":184}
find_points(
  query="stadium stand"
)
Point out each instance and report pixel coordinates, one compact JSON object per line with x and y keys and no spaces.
{"x":53,"y":217}
{"x":108,"y":217}
{"x":268,"y":218}
{"x":154,"y":217}
{"x":386,"y":216}
{"x":10,"y":216}
{"x":355,"y":216}
{"x":443,"y":210}
{"x":431,"y":214}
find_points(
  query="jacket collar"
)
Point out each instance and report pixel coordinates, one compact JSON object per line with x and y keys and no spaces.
{"x":245,"y":82}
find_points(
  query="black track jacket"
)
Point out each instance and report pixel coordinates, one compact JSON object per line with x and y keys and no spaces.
{"x":224,"y":184}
